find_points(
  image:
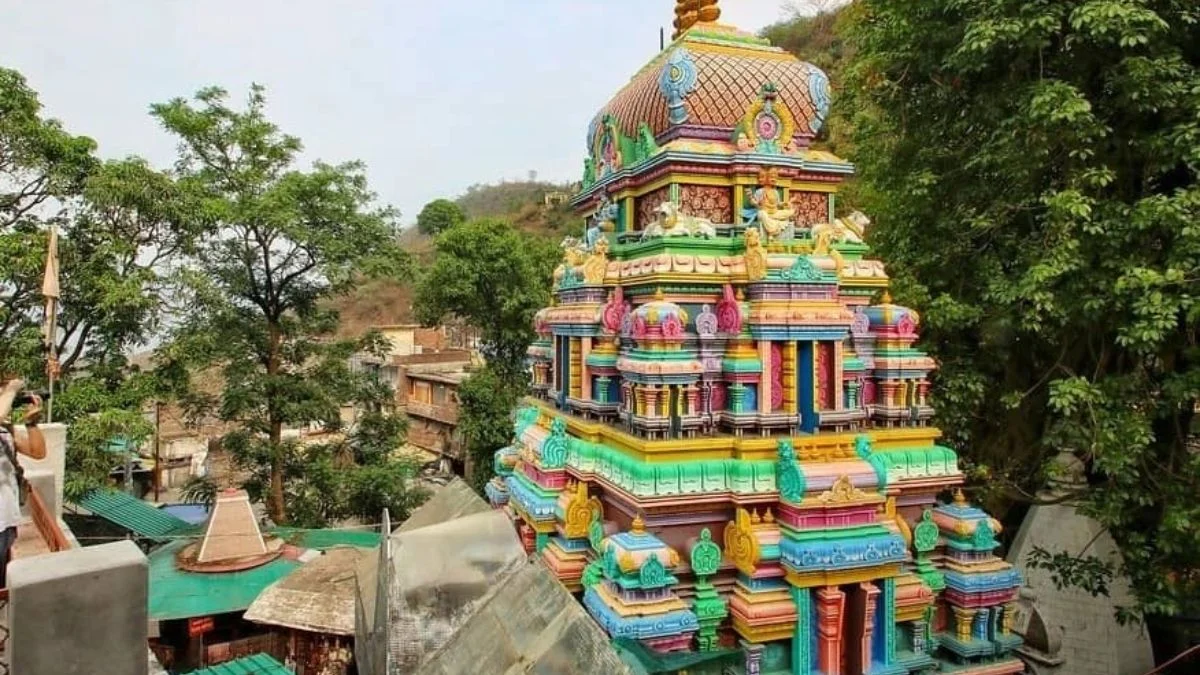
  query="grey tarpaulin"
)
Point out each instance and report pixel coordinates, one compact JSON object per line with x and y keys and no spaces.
{"x":453,"y":500}
{"x":528,"y":624}
{"x":433,"y":596}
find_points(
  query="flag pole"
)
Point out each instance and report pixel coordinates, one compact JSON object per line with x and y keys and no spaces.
{"x":50,"y":291}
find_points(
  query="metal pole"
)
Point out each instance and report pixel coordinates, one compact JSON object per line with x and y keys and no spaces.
{"x":128,"y":471}
{"x":157,"y":445}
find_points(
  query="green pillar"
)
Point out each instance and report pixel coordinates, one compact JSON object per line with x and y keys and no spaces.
{"x":541,"y":541}
{"x":802,"y":656}
{"x":737,"y":393}
{"x":888,"y":621}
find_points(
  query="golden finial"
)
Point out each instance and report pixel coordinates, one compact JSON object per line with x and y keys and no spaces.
{"x":887,"y":297}
{"x":768,"y":517}
{"x":690,"y":12}
{"x":959,"y":498}
{"x":658,"y":293}
{"x":754,"y":517}
{"x":638,"y":526}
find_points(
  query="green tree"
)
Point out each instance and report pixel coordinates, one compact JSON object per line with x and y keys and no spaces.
{"x":486,"y":403}
{"x":276,"y":242}
{"x":438,"y":216}
{"x":120,"y":226}
{"x":495,"y":278}
{"x":1032,"y":168}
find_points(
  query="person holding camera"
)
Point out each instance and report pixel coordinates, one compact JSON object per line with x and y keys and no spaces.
{"x":12,"y":481}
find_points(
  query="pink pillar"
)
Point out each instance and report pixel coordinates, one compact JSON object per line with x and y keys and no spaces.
{"x":585,"y":348}
{"x":764,"y":382}
{"x":871,"y":593}
{"x":831,"y":603}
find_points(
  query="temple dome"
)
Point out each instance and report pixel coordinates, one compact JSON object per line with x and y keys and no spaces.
{"x":709,"y":77}
{"x":889,"y":315}
{"x":661,"y":313}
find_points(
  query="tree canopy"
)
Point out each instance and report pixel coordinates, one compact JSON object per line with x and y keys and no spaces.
{"x":275,"y":241}
{"x":121,"y":224}
{"x":1032,"y":169}
{"x":494,"y":277}
{"x":438,"y":216}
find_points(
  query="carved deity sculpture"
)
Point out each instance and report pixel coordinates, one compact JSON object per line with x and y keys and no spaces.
{"x":772,"y":217}
{"x":573,"y":256}
{"x":755,"y":255}
{"x":596,"y":265}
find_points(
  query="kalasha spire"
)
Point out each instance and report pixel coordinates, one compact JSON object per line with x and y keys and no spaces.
{"x":690,"y":12}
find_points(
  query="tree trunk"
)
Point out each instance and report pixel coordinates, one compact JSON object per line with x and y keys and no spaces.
{"x":275,"y":506}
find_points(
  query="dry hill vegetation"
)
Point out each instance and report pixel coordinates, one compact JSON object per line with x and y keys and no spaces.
{"x":523,"y":203}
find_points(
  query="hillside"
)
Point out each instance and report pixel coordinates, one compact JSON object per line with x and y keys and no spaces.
{"x":523,"y":203}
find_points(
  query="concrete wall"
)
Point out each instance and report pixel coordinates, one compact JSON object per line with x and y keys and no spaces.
{"x":54,"y":464}
{"x":79,"y":612}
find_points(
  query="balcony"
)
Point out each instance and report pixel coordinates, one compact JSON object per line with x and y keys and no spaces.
{"x":446,"y":414}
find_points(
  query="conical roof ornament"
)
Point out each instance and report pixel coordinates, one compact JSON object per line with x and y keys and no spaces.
{"x":638,"y":526}
{"x":690,"y":12}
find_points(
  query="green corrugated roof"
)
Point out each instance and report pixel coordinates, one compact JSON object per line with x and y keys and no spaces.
{"x":323,"y":539}
{"x":259,"y":664}
{"x":135,"y":515}
{"x":178,"y":594}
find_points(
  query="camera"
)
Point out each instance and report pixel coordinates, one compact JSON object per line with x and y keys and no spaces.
{"x":26,"y":398}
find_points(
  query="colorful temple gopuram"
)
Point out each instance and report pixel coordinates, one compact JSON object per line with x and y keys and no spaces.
{"x":728,"y":451}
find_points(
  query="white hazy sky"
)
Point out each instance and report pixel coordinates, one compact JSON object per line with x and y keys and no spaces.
{"x":433,"y":96}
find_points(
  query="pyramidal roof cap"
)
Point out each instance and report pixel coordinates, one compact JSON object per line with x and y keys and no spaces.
{"x":232,"y":530}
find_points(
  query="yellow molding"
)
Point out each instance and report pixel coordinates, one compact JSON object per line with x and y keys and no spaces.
{"x":761,"y":634}
{"x":809,"y":448}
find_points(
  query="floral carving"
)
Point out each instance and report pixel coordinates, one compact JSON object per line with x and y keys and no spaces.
{"x":802,"y":270}
{"x":776,"y":376}
{"x":647,"y":206}
{"x":615,"y":310}
{"x":711,"y":202}
{"x":729,"y":312}
{"x":554,"y":448}
{"x":652,"y":574}
{"x":740,"y":543}
{"x":984,"y":538}
{"x":787,"y":474}
{"x":706,"y":555}
{"x":842,"y":491}
{"x":810,"y":207}
{"x":925,"y":534}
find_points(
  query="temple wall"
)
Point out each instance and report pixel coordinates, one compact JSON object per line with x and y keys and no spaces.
{"x":1093,"y":643}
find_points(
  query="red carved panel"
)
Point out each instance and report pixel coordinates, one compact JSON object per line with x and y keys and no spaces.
{"x":720,"y":398}
{"x":647,"y":204}
{"x":776,"y":377}
{"x":707,"y":201}
{"x":811,"y":207}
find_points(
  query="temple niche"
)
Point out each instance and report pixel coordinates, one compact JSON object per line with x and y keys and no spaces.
{"x":728,"y":452}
